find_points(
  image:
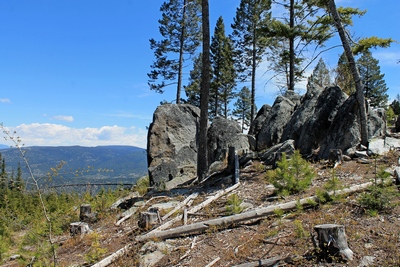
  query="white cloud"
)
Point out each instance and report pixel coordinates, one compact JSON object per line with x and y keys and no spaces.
{"x":47,"y":134}
{"x":63,"y":118}
{"x":5,"y":100}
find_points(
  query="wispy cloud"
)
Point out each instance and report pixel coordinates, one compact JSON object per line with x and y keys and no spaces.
{"x":46,"y":134}
{"x":5,"y":100}
{"x":63,"y":118}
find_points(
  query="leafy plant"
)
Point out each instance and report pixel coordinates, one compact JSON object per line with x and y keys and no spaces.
{"x":291,"y":176}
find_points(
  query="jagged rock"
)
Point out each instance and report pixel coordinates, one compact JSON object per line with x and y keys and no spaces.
{"x":259,"y":120}
{"x":344,"y":132}
{"x":376,"y":122}
{"x":222,"y":134}
{"x":310,"y":122}
{"x":152,"y":253}
{"x":270,"y":156}
{"x":171,"y":144}
{"x":294,"y":97}
{"x":271,"y":131}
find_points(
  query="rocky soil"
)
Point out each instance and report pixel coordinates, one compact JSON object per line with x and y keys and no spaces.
{"x":374,"y":238}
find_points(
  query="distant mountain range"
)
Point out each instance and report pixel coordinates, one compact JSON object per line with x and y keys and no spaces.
{"x":83,"y":165}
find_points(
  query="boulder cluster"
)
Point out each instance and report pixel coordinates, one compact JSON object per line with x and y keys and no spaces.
{"x":315,"y":123}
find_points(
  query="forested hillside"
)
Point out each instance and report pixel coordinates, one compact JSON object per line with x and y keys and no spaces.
{"x":80,"y":165}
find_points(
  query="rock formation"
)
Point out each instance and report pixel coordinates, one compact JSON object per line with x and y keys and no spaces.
{"x":171,"y":145}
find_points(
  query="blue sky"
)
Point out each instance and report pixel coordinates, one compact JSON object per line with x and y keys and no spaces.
{"x":74,"y":72}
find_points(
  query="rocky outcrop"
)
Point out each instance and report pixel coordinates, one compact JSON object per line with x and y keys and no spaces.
{"x":310,"y":122}
{"x":324,"y":119}
{"x":222,"y":134}
{"x":271,"y":131}
{"x":171,"y":145}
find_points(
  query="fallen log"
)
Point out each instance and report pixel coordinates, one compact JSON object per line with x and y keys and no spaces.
{"x":196,"y":208}
{"x":253,"y":214}
{"x":182,"y":204}
{"x":113,"y":257}
{"x":262,"y":262}
{"x":126,"y":215}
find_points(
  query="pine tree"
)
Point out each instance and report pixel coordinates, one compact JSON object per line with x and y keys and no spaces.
{"x":294,"y":33}
{"x":181,"y":30}
{"x":249,"y":42}
{"x":344,"y":78}
{"x":242,"y":106}
{"x":192,"y":90}
{"x":374,"y":85}
{"x":320,"y":76}
{"x":19,"y":183}
{"x":223,"y":70}
{"x":395,"y":105}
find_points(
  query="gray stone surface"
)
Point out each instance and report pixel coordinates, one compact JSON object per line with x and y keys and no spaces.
{"x":222,"y":134}
{"x":171,"y":144}
{"x":272,"y":129}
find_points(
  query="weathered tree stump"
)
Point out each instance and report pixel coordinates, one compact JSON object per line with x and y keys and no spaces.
{"x":335,"y":156}
{"x":148,"y":219}
{"x":85,"y":213}
{"x":332,"y":243}
{"x":79,"y":228}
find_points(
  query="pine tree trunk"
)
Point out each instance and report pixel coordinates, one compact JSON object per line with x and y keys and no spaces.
{"x":291,"y":48}
{"x":354,"y":70}
{"x":182,"y":40}
{"x":202,"y":159}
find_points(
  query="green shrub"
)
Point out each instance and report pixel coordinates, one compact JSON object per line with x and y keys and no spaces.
{"x":379,"y":196}
{"x":233,"y":205}
{"x":291,"y":176}
{"x":142,"y":185}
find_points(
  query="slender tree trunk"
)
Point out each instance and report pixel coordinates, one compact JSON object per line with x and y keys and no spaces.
{"x":291,"y":47}
{"x":354,"y":70}
{"x":202,"y":159}
{"x":253,"y":78}
{"x":182,"y":40}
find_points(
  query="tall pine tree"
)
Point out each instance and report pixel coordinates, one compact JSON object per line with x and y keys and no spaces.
{"x":320,"y":76}
{"x":223,"y":70}
{"x":242,"y":107}
{"x":181,"y":29}
{"x":374,"y":85}
{"x":344,"y":78}
{"x":250,"y":44}
{"x":192,"y":90}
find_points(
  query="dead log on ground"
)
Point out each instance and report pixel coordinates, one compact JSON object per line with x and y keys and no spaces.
{"x":107,"y":261}
{"x":250,"y":215}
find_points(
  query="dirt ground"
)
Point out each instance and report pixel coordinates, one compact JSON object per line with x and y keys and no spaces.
{"x":286,"y":236}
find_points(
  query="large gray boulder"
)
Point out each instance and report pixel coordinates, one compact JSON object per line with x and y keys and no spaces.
{"x":271,"y":131}
{"x":171,"y":145}
{"x":259,"y":120}
{"x":344,"y":132}
{"x":376,"y":122}
{"x":310,"y":122}
{"x":222,"y":134}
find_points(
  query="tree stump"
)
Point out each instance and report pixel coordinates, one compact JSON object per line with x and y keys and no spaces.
{"x":81,"y":228}
{"x":148,"y":219}
{"x":85,"y":213}
{"x":332,"y":242}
